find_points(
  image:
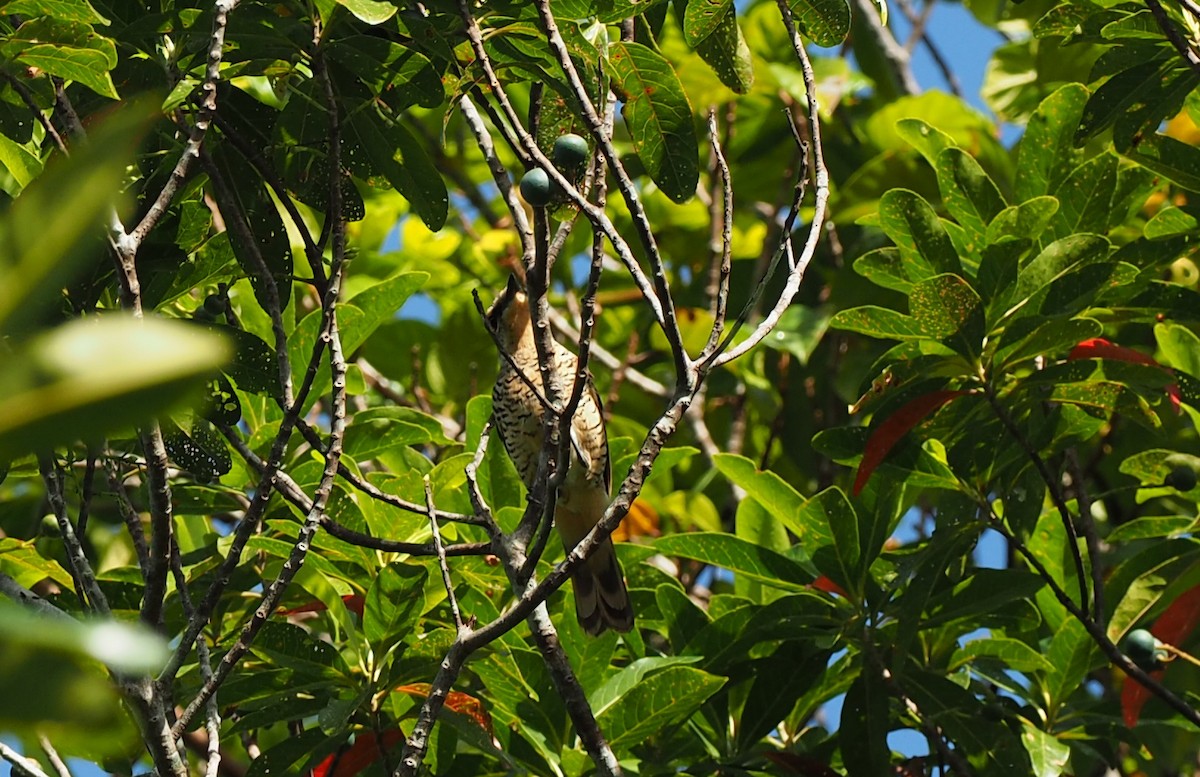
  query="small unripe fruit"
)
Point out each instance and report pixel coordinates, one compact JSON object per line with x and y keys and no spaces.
{"x":1142,"y":648}
{"x":214,"y":304}
{"x":535,"y":188}
{"x":570,"y":152}
{"x":1182,"y":478}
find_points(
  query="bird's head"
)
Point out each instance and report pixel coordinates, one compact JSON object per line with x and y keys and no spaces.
{"x":509,"y":314}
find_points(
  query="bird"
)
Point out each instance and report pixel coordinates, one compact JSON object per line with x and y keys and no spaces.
{"x":601,"y":598}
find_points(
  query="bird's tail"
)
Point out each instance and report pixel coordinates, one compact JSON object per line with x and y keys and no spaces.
{"x":601,"y":600}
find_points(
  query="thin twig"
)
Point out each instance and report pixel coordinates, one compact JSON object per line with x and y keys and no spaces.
{"x":1055,"y":489}
{"x":81,"y":569}
{"x":820,"y":175}
{"x":254,"y":156}
{"x":236,"y":221}
{"x":310,"y":435}
{"x":191,"y":150}
{"x":293,"y":493}
{"x":331,"y":336}
{"x":1091,"y":537}
{"x":212,"y":715}
{"x":133,"y":522}
{"x":625,"y":185}
{"x":1094,"y":630}
{"x":441,"y":555}
{"x":38,"y":114}
{"x":1165,"y":24}
{"x":21,"y":764}
{"x":60,"y":766}
{"x":526,"y":145}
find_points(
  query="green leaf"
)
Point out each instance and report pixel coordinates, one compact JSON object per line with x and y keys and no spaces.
{"x":624,"y":681}
{"x":1048,"y":755}
{"x":1013,"y":653}
{"x":253,"y":368}
{"x":394,"y":602}
{"x":659,"y":701}
{"x":911,"y":223}
{"x":1071,"y":653}
{"x":925,"y":138}
{"x":1169,"y":222}
{"x":1043,"y":337}
{"x":1047,"y":150}
{"x":952,"y":708}
{"x":658,"y":116}
{"x":1116,"y":96}
{"x":845,"y":558}
{"x":1085,"y":197}
{"x":290,"y":646}
{"x":969,"y":194}
{"x":1025,"y":221}
{"x":385,"y":428}
{"x":289,"y":755}
{"x":1152,"y":526}
{"x":1143,"y":577}
{"x":883,"y":323}
{"x":791,"y":671}
{"x":1057,"y":260}
{"x":87,"y":378}
{"x":738,"y":556}
{"x":20,"y":163}
{"x":726,"y":52}
{"x":378,"y":304}
{"x":200,"y":451}
{"x":800,"y":330}
{"x":395,"y":154}
{"x":979,"y":593}
{"x":826,"y":22}
{"x":369,"y":11}
{"x":1176,"y":161}
{"x":52,"y":680}
{"x":885,"y":267}
{"x":1180,"y":347}
{"x":779,"y":499}
{"x":949,"y":310}
{"x":864,"y":726}
{"x":702,"y":18}
{"x":80,"y":11}
{"x":399,"y":74}
{"x":944,"y":308}
{"x":88,"y":67}
{"x":20,"y":560}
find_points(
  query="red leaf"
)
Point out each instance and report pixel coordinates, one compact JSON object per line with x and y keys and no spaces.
{"x":456,"y":701}
{"x":1099,"y":348}
{"x":801,"y":764}
{"x":354,"y":603}
{"x":365,"y":751}
{"x":1173,"y":627}
{"x":887,"y":434}
{"x":823,"y":583}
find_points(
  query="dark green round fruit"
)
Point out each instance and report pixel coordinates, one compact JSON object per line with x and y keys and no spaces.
{"x":536,"y":188}
{"x":214,"y":304}
{"x":1182,"y":478}
{"x":570,"y":151}
{"x":1142,"y":648}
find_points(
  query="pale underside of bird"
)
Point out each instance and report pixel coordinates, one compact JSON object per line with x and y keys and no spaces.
{"x":601,"y":599}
